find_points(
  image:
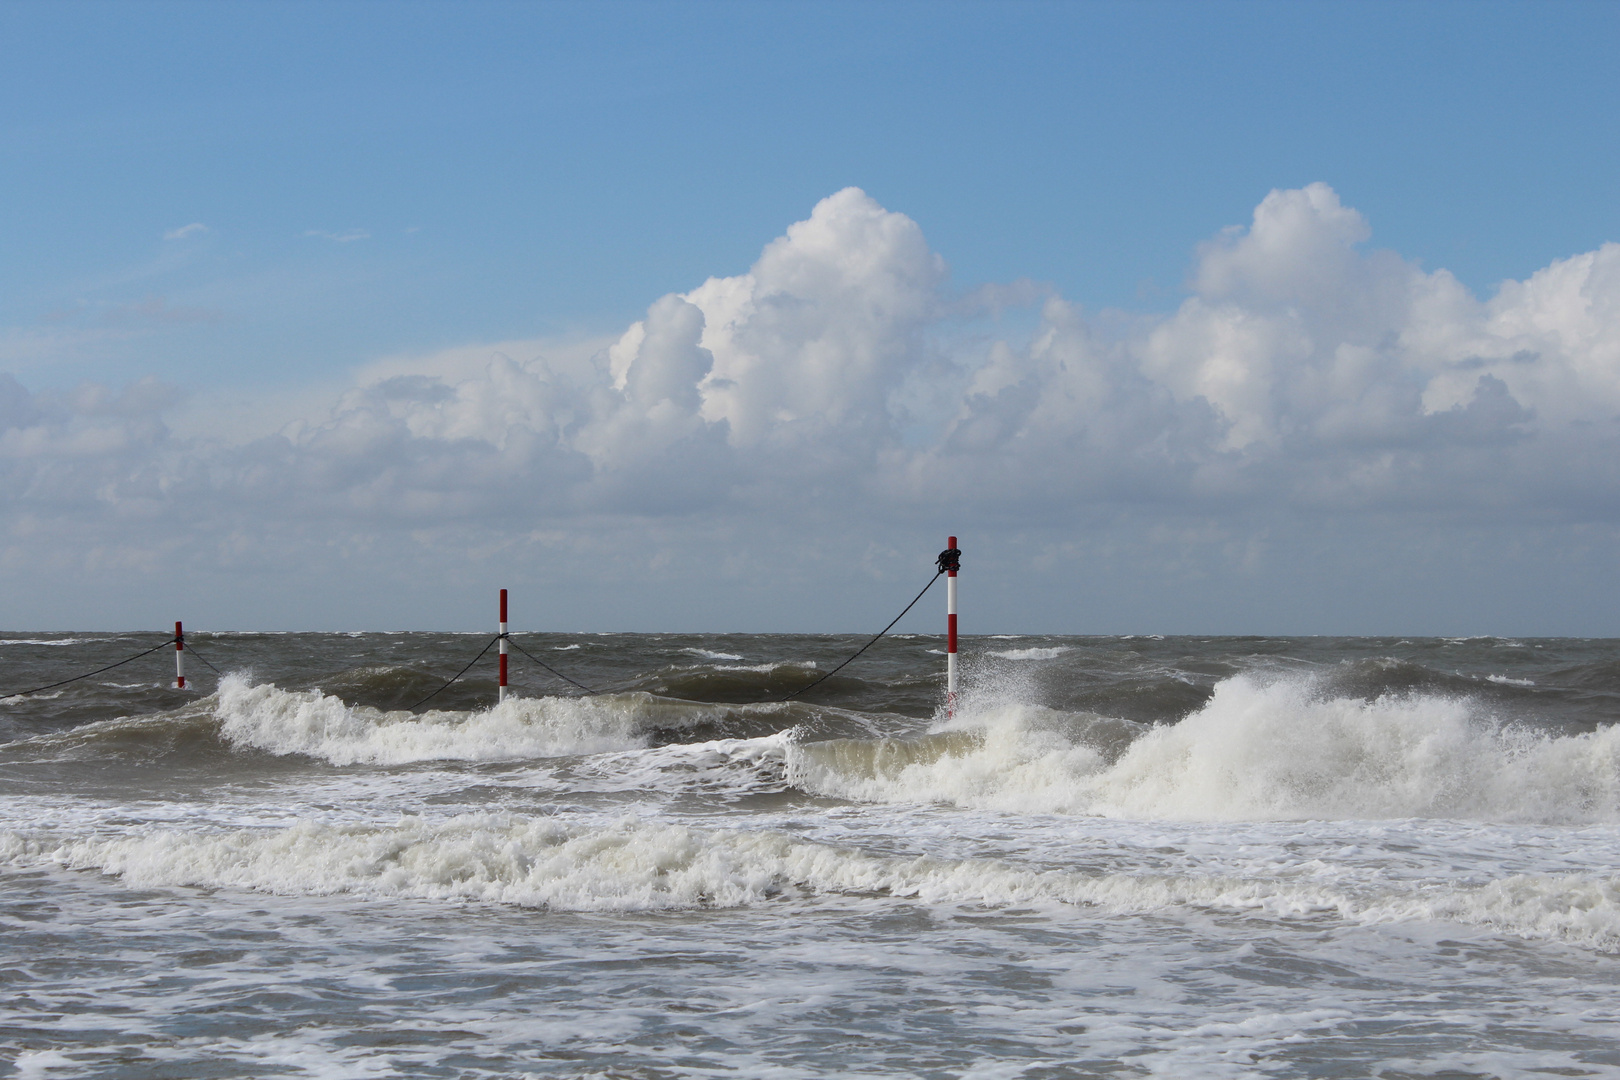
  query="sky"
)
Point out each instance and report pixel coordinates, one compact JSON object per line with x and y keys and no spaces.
{"x":1209,"y":318}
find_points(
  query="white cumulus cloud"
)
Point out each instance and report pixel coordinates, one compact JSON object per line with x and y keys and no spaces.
{"x":845,"y":378}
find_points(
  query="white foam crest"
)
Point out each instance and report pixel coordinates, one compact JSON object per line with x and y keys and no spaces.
{"x":638,"y":865}
{"x":38,"y":695}
{"x":1030,"y":654}
{"x":710,"y":654}
{"x":998,"y":759}
{"x":628,"y":865}
{"x":720,"y":767}
{"x":1259,"y":749}
{"x":1577,"y":907}
{"x":1279,"y":749}
{"x":265,"y":717}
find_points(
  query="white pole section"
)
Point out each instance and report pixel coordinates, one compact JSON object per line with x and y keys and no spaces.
{"x":503,"y":646}
{"x":950,"y":634}
{"x":179,"y":657}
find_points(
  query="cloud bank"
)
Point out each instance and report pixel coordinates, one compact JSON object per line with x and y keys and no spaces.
{"x":845,"y":386}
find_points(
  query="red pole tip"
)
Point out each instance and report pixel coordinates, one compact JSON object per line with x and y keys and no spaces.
{"x":503,"y":605}
{"x":950,"y":541}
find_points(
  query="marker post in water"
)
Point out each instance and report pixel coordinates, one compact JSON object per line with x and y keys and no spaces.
{"x":952,"y":556}
{"x":179,"y":657}
{"x":502,"y":692}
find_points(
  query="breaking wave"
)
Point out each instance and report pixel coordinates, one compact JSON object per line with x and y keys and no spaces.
{"x":265,"y":717}
{"x":1257,"y":750}
{"x":635,"y":865}
{"x":318,"y":725}
{"x":245,"y":716}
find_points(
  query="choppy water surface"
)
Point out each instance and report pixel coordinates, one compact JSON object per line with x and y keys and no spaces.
{"x":1123,"y":857}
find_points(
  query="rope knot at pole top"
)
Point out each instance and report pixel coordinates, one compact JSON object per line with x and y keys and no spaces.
{"x":950,"y":560}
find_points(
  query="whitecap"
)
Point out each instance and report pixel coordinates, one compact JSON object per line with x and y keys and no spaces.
{"x":1031,"y":654}
{"x":632,"y":864}
{"x":709,"y":654}
{"x":265,"y":717}
{"x":1276,"y":749}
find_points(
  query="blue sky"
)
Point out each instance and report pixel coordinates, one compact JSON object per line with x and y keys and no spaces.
{"x":267,"y":209}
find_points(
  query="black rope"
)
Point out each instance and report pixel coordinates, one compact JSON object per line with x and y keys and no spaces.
{"x":86,"y":675}
{"x":190,"y":648}
{"x":547,"y":666}
{"x":457,"y":675}
{"x":880,"y":633}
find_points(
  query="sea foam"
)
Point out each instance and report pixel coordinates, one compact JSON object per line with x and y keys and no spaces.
{"x":631,"y":864}
{"x":1259,"y":749}
{"x":265,"y":717}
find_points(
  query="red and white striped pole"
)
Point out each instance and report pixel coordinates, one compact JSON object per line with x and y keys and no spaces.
{"x":950,"y":632}
{"x":503,"y":647}
{"x":179,"y":657}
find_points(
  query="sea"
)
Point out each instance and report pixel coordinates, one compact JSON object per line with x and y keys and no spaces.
{"x":1117,"y":857}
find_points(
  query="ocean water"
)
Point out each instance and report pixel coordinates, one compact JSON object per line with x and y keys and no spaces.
{"x":1122,"y":857}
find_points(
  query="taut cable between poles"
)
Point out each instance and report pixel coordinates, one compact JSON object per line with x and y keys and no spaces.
{"x":457,"y":675}
{"x":875,"y":637}
{"x":547,"y":666}
{"x":192,"y":649}
{"x":86,"y":675}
